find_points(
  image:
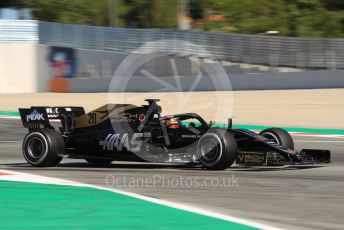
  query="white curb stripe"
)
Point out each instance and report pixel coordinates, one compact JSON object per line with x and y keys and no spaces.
{"x":317,"y":135}
{"x":308,"y":141}
{"x":302,"y":134}
{"x":9,"y":117}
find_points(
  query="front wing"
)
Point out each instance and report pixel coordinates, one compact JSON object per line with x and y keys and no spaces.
{"x":276,"y":154}
{"x":304,"y":157}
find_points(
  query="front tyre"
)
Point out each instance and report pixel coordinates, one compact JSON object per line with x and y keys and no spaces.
{"x":279,"y":136}
{"x":42,"y":147}
{"x":217,"y":150}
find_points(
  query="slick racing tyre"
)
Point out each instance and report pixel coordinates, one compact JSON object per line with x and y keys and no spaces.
{"x":279,"y":136}
{"x":95,"y":161}
{"x":217,"y":150}
{"x":41,"y":148}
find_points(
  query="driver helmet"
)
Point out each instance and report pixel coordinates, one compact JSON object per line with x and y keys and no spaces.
{"x":172,"y":123}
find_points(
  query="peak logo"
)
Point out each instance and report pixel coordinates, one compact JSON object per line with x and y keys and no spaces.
{"x":34,"y":116}
{"x":121,"y":143}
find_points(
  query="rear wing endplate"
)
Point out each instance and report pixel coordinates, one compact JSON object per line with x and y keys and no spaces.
{"x":36,"y":116}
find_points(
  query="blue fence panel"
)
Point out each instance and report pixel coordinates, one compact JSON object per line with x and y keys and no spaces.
{"x":20,"y":31}
{"x":252,"y":49}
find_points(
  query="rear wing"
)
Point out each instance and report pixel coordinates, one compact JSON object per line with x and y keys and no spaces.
{"x":39,"y":116}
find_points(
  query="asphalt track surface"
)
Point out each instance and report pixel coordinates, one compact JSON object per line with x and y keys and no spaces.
{"x":286,"y":197}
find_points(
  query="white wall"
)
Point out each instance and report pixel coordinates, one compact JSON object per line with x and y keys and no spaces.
{"x":18,"y":68}
{"x":43,"y":68}
{"x":24,"y":68}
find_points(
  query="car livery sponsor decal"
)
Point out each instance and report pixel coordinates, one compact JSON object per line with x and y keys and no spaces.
{"x":142,"y":117}
{"x":57,"y":109}
{"x":34,"y":116}
{"x":191,"y":136}
{"x":118,"y":142}
{"x":125,"y":117}
{"x":249,"y":157}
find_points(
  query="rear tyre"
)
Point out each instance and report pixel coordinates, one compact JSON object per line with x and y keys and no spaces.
{"x":279,"y":136}
{"x":41,"y":147}
{"x":95,"y":161}
{"x":217,"y":150}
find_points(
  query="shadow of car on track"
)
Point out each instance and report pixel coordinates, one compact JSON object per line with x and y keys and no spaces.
{"x":85,"y":165}
{"x":274,"y":168}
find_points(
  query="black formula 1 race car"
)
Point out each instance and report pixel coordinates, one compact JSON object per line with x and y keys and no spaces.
{"x":125,"y":132}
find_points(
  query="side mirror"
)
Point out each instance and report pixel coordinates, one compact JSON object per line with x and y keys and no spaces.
{"x":211,"y":123}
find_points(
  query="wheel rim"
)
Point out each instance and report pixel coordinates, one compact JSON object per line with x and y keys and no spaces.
{"x":36,"y":148}
{"x":271,"y":137}
{"x":210,"y":150}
